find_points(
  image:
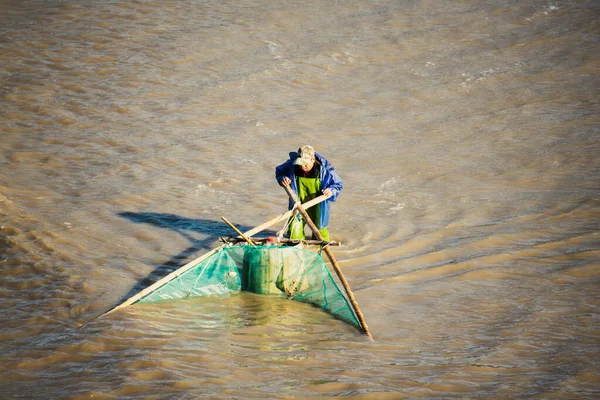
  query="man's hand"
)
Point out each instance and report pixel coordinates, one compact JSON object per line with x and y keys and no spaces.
{"x":285,"y":181}
{"x":327,"y":192}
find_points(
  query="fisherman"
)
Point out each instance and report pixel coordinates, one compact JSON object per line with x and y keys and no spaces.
{"x":309,"y":175}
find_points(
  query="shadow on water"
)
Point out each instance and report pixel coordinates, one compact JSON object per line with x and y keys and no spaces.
{"x":201,"y":233}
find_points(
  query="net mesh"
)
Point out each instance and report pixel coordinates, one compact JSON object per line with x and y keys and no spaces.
{"x":284,"y":271}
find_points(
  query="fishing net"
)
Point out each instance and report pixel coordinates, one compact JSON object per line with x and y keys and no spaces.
{"x":272,"y":270}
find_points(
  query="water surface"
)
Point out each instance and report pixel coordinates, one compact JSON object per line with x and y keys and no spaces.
{"x":467,"y":137}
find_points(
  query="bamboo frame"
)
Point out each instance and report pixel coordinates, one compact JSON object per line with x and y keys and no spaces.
{"x":194,"y":262}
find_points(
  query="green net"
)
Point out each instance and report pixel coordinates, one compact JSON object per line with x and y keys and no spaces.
{"x":272,"y":270}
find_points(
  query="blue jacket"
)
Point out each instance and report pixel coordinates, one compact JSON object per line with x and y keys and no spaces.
{"x":329,"y":179}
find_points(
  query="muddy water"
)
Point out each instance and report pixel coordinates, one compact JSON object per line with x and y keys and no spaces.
{"x":467,"y":137}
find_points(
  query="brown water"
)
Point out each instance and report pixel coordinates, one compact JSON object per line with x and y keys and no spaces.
{"x":467,"y":134}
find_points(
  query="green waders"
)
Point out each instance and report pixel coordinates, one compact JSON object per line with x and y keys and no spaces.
{"x":308,"y":189}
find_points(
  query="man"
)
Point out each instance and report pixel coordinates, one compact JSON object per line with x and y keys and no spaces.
{"x":309,"y":175}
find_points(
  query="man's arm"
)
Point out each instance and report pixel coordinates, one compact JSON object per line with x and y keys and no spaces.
{"x":334,"y":184}
{"x":280,"y":173}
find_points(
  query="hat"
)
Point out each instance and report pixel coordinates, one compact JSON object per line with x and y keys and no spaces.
{"x":305,"y":154}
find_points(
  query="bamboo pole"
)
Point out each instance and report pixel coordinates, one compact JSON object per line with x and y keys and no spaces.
{"x":238,"y":231}
{"x":162,"y":281}
{"x":331,"y":257}
{"x":284,"y":216}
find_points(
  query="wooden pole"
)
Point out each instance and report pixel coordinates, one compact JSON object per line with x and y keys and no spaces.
{"x":162,"y":281}
{"x":284,"y":216}
{"x":334,"y":263}
{"x":238,"y":231}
